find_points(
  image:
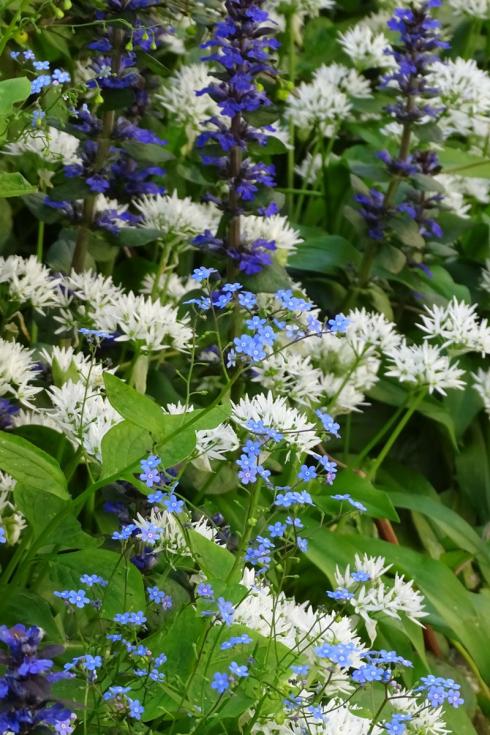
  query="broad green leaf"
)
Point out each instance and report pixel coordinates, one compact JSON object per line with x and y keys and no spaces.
{"x":124,"y":444}
{"x":137,"y":408}
{"x":39,"y":508}
{"x":215,"y":561}
{"x":125,"y":590}
{"x":451,"y":607}
{"x":473,"y":468}
{"x":459,"y":163}
{"x":31,"y":466}
{"x":29,"y":609}
{"x":324,"y":254}
{"x":14,"y":185}
{"x":13,"y":91}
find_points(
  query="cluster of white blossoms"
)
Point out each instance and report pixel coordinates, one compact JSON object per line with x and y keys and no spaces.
{"x":210,"y":443}
{"x":482,"y":387}
{"x":29,"y":283}
{"x":472,"y":8}
{"x":457,"y":326}
{"x":464,"y":94}
{"x":169,"y":286}
{"x":457,"y":191}
{"x":176,"y":219}
{"x":276,"y":414}
{"x":11,"y":520}
{"x":276,"y":228}
{"x":18,"y":371}
{"x":326,"y":102}
{"x":366,"y":48}
{"x":374,"y":595}
{"x":178,"y":96}
{"x":424,"y":366}
{"x":52,"y":145}
{"x":170,"y":530}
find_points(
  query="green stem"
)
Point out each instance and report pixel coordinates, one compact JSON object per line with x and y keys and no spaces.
{"x":394,"y":436}
{"x":248,"y":529}
{"x":380,"y":434}
{"x":291,"y":46}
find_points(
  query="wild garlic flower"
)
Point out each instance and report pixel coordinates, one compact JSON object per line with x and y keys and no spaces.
{"x":424,"y":366}
{"x":471,"y":8}
{"x":83,"y":414}
{"x":482,"y":386}
{"x":52,"y":145}
{"x":171,"y":287}
{"x":290,"y":373}
{"x":211,"y":443}
{"x":85,"y":294}
{"x":18,"y":370}
{"x":178,"y":219}
{"x":149,"y":325}
{"x":373,"y":595}
{"x":275,"y":228}
{"x":296,"y":625}
{"x":370,"y":329}
{"x":365,"y":47}
{"x":178,"y":96}
{"x":171,"y":537}
{"x":464,"y":93}
{"x":11,"y":520}
{"x":458,"y":327}
{"x":30,"y":282}
{"x":74,"y":364}
{"x":275,"y":413}
{"x":326,"y":102}
{"x":424,"y":720}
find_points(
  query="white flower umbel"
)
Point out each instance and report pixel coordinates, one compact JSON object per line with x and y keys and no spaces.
{"x":179,"y":97}
{"x":275,"y":413}
{"x":464,"y":93}
{"x":11,"y":520}
{"x":177,"y":219}
{"x":326,"y":101}
{"x":170,"y":286}
{"x":18,"y":370}
{"x":377,"y":596}
{"x":365,"y":47}
{"x":482,"y":386}
{"x":173,"y":538}
{"x":52,"y":145}
{"x":296,"y":625}
{"x":86,"y":293}
{"x":74,"y":364}
{"x":471,"y":8}
{"x":368,"y":328}
{"x":425,"y":720}
{"x":30,"y":282}
{"x":458,"y":326}
{"x":149,"y":325}
{"x":424,"y":366}
{"x":83,"y":414}
{"x":211,"y":443}
{"x":337,"y":718}
{"x":276,"y":228}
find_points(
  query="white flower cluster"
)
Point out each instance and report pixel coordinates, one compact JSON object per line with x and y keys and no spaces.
{"x":52,"y":145}
{"x":30,"y":283}
{"x":326,"y":102}
{"x":179,"y":97}
{"x":424,"y":366}
{"x":457,"y":326}
{"x":177,"y":219}
{"x":172,"y":537}
{"x":377,"y":596}
{"x":18,"y":371}
{"x":11,"y":520}
{"x":276,"y":228}
{"x":472,"y":8}
{"x":482,"y":387}
{"x":366,"y":47}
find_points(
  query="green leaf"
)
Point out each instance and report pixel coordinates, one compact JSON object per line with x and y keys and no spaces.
{"x":124,"y":444}
{"x":450,"y":524}
{"x":31,"y":466}
{"x":136,"y":237}
{"x":269,"y":280}
{"x":147,"y":152}
{"x":216,"y":562}
{"x":377,"y":502}
{"x":459,"y":163}
{"x":29,"y":609}
{"x":40,"y":508}
{"x":14,"y":185}
{"x":125,"y":590}
{"x":13,"y":91}
{"x":324,"y":254}
{"x":136,"y":407}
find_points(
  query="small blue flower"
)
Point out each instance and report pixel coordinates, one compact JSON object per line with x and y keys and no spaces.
{"x":341,"y":593}
{"x":41,"y":65}
{"x":397,"y":724}
{"x":3,"y":537}
{"x":236,"y":641}
{"x":202,"y":274}
{"x":226,"y":610}
{"x":93,"y":579}
{"x":173,"y":504}
{"x":302,"y":544}
{"x":348,"y":498}
{"x":130,"y":618}
{"x":328,"y":423}
{"x":135,"y":709}
{"x":361,"y":576}
{"x":220,"y":682}
{"x":77,"y":598}
{"x":369,"y":672}
{"x":300,"y":669}
{"x":306,"y":473}
{"x":341,"y":653}
{"x":339,"y":324}
{"x":60,"y":76}
{"x":240,"y":671}
{"x":247,"y":299}
{"x":277,"y":529}
{"x":113,"y":692}
{"x":205,"y":590}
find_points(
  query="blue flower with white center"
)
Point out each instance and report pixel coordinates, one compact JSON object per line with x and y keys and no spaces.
{"x":291,"y":498}
{"x":150,"y":533}
{"x":302,"y":544}
{"x":3,"y":537}
{"x":277,"y":529}
{"x":93,"y":579}
{"x":328,"y":423}
{"x":226,"y":610}
{"x":77,"y":598}
{"x":361,"y":576}
{"x":438,"y":690}
{"x":339,"y":324}
{"x":294,"y":522}
{"x":204,"y":589}
{"x":348,"y":499}
{"x":398,"y":724}
{"x":369,"y":673}
{"x":239,"y":671}
{"x":130,"y":618}
{"x":341,"y":653}
{"x":330,"y":468}
{"x":306,"y":473}
{"x":341,"y":593}
{"x":173,"y":504}
{"x":136,"y":709}
{"x":113,"y":692}
{"x":202,"y":274}
{"x":300,"y":669}
{"x":150,"y":477}
{"x":220,"y":682}
{"x":41,"y":65}
{"x":247,"y":299}
{"x":125,"y":533}
{"x":388,"y":657}
{"x":238,"y":640}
